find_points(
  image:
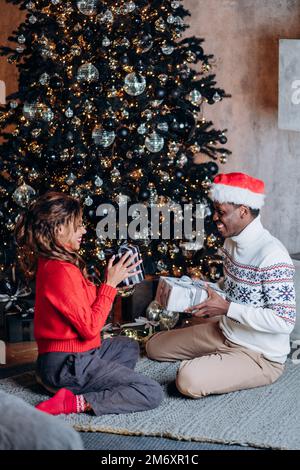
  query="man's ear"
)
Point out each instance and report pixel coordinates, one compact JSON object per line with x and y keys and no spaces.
{"x":244,"y":211}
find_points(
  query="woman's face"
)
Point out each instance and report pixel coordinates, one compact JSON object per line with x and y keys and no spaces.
{"x":70,"y":235}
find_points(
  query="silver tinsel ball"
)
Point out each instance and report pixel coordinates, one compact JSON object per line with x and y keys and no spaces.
{"x":69,"y":112}
{"x":217,"y":97}
{"x":103,"y":137}
{"x":153,"y":311}
{"x":161,"y":266}
{"x":142,"y":129}
{"x":32,"y":19}
{"x":147,"y":114}
{"x":195,"y":96}
{"x":88,"y":201}
{"x":23,"y":195}
{"x":21,"y":39}
{"x":70,"y":179}
{"x":130,"y":6}
{"x":87,"y":72}
{"x":163,"y":126}
{"x":134,"y":84}
{"x":87,"y":7}
{"x":160,"y":25}
{"x":114,"y":173}
{"x":47,"y":115}
{"x":182,"y":160}
{"x":168,"y":319}
{"x":13,"y":104}
{"x":175,"y":4}
{"x":98,"y":181}
{"x":154,"y":142}
{"x":44,"y":79}
{"x":167,"y":49}
{"x":106,"y":17}
{"x":106,"y":42}
{"x":163,"y":78}
{"x":29,"y":110}
{"x":171,"y":19}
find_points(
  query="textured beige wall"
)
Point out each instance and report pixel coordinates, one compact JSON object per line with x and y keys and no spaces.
{"x":244,"y":37}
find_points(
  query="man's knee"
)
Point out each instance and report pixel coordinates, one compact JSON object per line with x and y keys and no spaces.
{"x":187,"y":384}
{"x":153,"y":347}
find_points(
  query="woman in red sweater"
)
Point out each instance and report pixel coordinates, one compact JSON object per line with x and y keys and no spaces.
{"x":70,"y":312}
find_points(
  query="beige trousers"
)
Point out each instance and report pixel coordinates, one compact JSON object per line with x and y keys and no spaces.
{"x":210,"y":363}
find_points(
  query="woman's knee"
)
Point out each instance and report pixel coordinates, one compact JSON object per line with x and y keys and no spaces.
{"x":129,"y":343}
{"x":155,"y":395}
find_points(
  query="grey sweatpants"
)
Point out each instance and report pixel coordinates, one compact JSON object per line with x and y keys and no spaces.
{"x":22,"y":427}
{"x":104,"y":376}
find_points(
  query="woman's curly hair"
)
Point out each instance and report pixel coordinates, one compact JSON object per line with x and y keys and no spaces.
{"x":36,"y":231}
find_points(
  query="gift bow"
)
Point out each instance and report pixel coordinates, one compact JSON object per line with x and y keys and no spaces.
{"x":123,"y":246}
{"x":195,"y":283}
{"x":10,"y":299}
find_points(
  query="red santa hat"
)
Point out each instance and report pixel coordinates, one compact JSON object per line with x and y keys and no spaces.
{"x":238,"y":188}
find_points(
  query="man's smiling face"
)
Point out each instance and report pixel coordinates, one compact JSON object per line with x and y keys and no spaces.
{"x":230,"y":218}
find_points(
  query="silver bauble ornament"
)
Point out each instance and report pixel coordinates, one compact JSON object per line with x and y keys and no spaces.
{"x":87,"y":72}
{"x":103,"y":137}
{"x":87,"y":7}
{"x":154,"y":142}
{"x":153,"y":311}
{"x":134,"y":84}
{"x":23,"y":195}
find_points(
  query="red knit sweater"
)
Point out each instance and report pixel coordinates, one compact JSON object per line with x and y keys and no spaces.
{"x":70,"y":311}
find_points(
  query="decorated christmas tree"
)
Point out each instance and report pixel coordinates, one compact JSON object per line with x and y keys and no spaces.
{"x":111,"y":109}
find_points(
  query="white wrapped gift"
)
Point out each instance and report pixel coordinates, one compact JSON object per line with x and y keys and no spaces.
{"x":178,"y":294}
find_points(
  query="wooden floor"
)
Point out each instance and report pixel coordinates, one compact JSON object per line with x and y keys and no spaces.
{"x":20,"y":353}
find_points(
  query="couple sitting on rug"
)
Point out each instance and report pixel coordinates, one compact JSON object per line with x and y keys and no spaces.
{"x":246,"y":347}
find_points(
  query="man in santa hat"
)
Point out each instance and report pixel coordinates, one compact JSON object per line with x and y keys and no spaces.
{"x":248,"y":344}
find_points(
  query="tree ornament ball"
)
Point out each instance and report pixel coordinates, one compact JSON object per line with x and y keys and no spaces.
{"x":212,"y":168}
{"x":144,"y":194}
{"x":123,"y":133}
{"x":223,"y":139}
{"x":175,"y":94}
{"x":124,"y":59}
{"x":160,"y":93}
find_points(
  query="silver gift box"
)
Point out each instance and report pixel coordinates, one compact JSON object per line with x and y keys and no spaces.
{"x":178,"y":294}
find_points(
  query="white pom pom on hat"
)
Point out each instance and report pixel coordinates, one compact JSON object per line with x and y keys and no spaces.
{"x":238,"y":188}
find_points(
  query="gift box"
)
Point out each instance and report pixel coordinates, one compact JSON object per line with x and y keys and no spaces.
{"x":134,"y":250}
{"x":19,"y":326}
{"x":135,"y":306}
{"x":178,"y":294}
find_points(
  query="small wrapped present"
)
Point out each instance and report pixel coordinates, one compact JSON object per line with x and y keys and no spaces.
{"x":178,"y":294}
{"x":134,"y":250}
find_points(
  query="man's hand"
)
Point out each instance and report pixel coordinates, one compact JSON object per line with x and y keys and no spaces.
{"x":213,"y":306}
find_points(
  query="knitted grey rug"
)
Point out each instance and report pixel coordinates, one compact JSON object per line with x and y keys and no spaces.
{"x":264,"y":417}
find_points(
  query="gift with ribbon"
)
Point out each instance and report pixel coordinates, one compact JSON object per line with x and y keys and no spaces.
{"x":134,"y":251}
{"x":17,"y":308}
{"x":178,"y":294}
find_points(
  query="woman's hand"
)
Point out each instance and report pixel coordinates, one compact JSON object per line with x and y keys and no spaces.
{"x":121,"y":270}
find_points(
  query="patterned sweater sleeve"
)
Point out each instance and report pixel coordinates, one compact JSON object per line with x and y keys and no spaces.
{"x":278,"y":315}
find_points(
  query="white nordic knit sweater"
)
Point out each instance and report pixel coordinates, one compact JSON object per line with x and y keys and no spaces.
{"x":259,"y":284}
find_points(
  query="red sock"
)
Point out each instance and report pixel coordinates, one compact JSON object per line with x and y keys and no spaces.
{"x":64,"y":401}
